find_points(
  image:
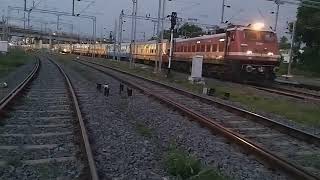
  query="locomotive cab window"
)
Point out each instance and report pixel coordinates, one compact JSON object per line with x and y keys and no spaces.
{"x":261,"y":36}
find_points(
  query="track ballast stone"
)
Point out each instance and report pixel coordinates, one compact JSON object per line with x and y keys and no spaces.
{"x":121,"y":152}
{"x":38,"y":137}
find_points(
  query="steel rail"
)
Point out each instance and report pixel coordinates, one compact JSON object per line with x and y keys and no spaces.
{"x":307,"y":137}
{"x":13,"y":94}
{"x":290,"y":93}
{"x":298,"y":85}
{"x":85,"y":138}
{"x":268,"y":157}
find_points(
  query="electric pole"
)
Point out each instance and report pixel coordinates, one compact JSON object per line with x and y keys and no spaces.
{"x":222,"y":12}
{"x":115,"y":40}
{"x":24,"y":14}
{"x":133,"y":31}
{"x":120,"y":34}
{"x":58,"y":29}
{"x":278,"y":2}
{"x":162,"y":33}
{"x":73,"y":8}
{"x":157,"y":60}
{"x":291,"y":47}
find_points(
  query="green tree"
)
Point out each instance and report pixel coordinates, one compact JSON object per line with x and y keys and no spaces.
{"x":190,"y":30}
{"x":284,"y":44}
{"x":308,"y":33}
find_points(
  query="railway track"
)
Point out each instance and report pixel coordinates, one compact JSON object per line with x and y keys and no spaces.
{"x":42,"y":134}
{"x":291,"y":93}
{"x":276,"y":144}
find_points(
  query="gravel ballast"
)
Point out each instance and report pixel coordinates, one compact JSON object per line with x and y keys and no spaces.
{"x":122,"y":152}
{"x":15,"y":77}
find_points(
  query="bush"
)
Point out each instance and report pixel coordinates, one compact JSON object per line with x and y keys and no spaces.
{"x":186,"y":167}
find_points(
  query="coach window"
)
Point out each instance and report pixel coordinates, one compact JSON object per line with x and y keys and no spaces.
{"x":189,"y":48}
{"x":185,"y":48}
{"x":221,"y":46}
{"x":194,"y":48}
{"x":214,"y":47}
{"x":203,"y":48}
{"x":198,"y":48}
{"x":208,"y":47}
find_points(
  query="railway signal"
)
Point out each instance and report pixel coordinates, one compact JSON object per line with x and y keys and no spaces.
{"x":173,"y":19}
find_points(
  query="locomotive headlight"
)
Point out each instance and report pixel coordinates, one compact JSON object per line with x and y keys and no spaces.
{"x":270,"y":54}
{"x":64,"y":50}
{"x":249,"y":52}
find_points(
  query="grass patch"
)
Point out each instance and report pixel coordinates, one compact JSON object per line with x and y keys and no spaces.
{"x":14,"y":161}
{"x":186,"y":167}
{"x":13,"y":60}
{"x":312,"y":161}
{"x":143,"y":130}
{"x":302,"y":113}
{"x":283,"y":69}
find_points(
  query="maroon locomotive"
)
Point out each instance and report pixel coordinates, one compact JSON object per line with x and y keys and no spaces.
{"x":238,"y":53}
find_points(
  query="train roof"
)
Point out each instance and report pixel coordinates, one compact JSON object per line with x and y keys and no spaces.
{"x":201,"y":37}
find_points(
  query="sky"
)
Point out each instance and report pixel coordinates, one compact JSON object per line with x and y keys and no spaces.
{"x":107,"y":11}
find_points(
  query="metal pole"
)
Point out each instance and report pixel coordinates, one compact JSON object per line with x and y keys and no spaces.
{"x":120,"y":34}
{"x":277,"y":15}
{"x":58,"y":29}
{"x":154,"y":28}
{"x":171,"y":51}
{"x":94,"y":37}
{"x":135,"y":30}
{"x":58,"y":22}
{"x":72,"y":7}
{"x":29,"y":19}
{"x":291,"y":48}
{"x":162,"y":33}
{"x":132,"y":32}
{"x":158,"y":38}
{"x":71,"y":28}
{"x":222,"y":12}
{"x":114,"y":40}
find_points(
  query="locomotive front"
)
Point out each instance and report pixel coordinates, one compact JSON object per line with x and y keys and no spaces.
{"x":254,"y":51}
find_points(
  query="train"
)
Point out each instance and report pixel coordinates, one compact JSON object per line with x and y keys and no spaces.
{"x":238,"y":53}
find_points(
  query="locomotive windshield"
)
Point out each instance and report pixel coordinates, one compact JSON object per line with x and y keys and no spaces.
{"x":261,"y":36}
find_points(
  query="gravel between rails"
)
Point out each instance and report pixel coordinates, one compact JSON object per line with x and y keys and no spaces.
{"x":285,"y":146}
{"x":38,"y":136}
{"x":121,"y":152}
{"x":282,"y":119}
{"x":15,"y":77}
